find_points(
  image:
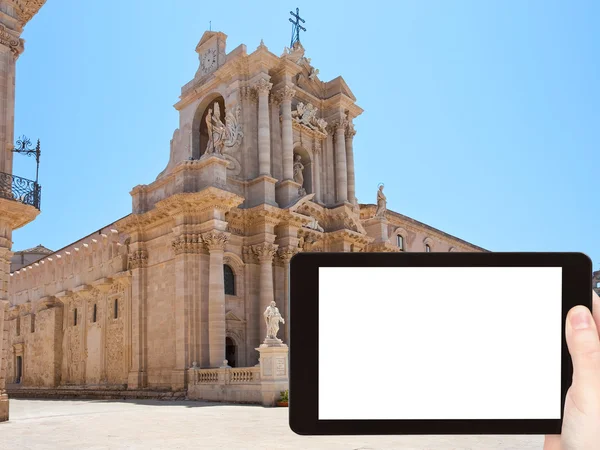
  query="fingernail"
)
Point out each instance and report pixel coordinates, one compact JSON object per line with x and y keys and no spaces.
{"x":580,"y":319}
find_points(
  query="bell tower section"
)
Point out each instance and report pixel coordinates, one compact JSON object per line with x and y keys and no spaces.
{"x":284,"y":133}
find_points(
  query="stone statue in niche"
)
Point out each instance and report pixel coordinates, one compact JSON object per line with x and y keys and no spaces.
{"x":299,"y":174}
{"x":381,"y":202}
{"x":272,"y":320}
{"x":307,"y":115}
{"x":222,"y":135}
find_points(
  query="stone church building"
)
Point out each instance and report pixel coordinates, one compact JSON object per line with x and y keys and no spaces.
{"x":171,"y":297}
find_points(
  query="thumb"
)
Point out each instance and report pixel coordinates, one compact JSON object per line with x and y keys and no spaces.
{"x":584,"y":346}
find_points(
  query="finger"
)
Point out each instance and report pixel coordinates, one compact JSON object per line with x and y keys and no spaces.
{"x":596,"y":309}
{"x":552,"y":442}
{"x":584,"y":346}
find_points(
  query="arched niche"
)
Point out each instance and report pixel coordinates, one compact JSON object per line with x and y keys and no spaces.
{"x":199,"y":127}
{"x":306,"y":160}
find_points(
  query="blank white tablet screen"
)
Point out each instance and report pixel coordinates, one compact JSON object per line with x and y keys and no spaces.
{"x":439,"y":343}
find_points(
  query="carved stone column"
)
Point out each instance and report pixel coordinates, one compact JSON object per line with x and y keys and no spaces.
{"x":316,"y":173}
{"x":286,"y":254}
{"x":350,"y":162}
{"x":341,"y":176}
{"x":215,"y":242}
{"x":138,"y":260}
{"x":264,"y":253}
{"x":264,"y":132}
{"x":287,"y":136}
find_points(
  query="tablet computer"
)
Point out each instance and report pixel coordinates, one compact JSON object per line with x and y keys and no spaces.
{"x":432,"y":343}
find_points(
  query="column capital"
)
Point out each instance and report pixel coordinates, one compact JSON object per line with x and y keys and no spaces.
{"x":350,"y":131}
{"x":262,"y":86}
{"x":286,"y":93}
{"x":138,"y":259}
{"x":187,"y":243}
{"x":215,"y":240}
{"x":286,"y":253}
{"x":12,"y":40}
{"x":264,"y":252}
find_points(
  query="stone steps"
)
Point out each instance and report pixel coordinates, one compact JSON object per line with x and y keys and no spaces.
{"x":94,"y":394}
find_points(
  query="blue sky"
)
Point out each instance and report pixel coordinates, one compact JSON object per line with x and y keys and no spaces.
{"x":481,"y":118}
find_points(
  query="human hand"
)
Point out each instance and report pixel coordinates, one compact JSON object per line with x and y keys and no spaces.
{"x":581,"y":419}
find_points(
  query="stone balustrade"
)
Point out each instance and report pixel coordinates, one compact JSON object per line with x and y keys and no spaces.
{"x":226,"y":384}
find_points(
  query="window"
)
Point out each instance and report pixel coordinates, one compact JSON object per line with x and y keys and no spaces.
{"x":427,"y":248}
{"x":598,"y":284}
{"x":229,"y":280}
{"x":75,"y":317}
{"x":33,"y":323}
{"x":94,"y":313}
{"x":116,"y":308}
{"x":400,"y":241}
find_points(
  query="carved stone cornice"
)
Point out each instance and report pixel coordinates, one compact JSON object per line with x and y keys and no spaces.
{"x":262,"y":86}
{"x":26,"y":9}
{"x":215,"y":240}
{"x":350,"y":236}
{"x":188,"y":243}
{"x":382,"y":247}
{"x":137,"y":259}
{"x":264,"y":252}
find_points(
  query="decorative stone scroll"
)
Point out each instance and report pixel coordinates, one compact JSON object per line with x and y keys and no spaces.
{"x":306,"y":115}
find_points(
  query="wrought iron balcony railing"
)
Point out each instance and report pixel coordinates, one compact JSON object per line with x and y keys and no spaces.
{"x":20,"y":189}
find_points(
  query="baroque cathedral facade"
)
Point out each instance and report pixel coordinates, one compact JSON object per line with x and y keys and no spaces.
{"x":260,"y":168}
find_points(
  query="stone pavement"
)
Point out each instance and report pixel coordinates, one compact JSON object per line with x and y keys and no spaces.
{"x":148,"y":424}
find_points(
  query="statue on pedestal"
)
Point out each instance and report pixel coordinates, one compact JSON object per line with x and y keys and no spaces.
{"x":381,"y":202}
{"x":272,"y":320}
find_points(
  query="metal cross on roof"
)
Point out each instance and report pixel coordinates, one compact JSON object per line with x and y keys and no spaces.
{"x":296,"y":26}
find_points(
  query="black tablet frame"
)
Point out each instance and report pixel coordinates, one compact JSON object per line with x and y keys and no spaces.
{"x":304,"y":338}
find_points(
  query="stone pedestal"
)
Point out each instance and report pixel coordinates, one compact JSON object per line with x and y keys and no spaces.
{"x":286,"y":192}
{"x":377,"y":228}
{"x":274,"y":374}
{"x":261,"y":190}
{"x":213,"y":171}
